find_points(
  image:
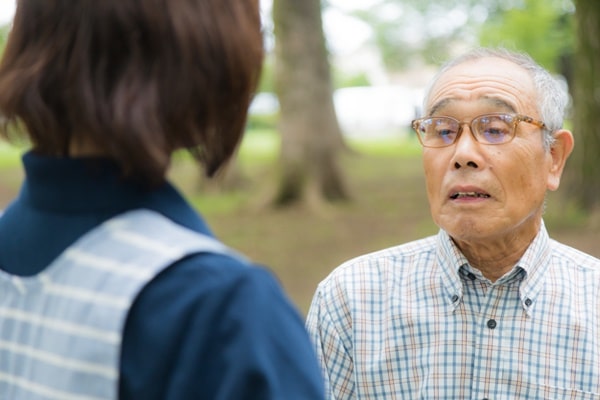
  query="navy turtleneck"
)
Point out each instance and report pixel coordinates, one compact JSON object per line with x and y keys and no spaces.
{"x":62,"y":198}
{"x":206,"y":327}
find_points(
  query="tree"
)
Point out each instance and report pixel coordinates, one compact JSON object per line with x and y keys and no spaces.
{"x":311,"y":138}
{"x":584,"y":172}
{"x":409,"y":33}
{"x":554,"y":22}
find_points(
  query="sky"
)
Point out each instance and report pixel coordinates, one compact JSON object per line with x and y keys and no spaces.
{"x":7,"y":10}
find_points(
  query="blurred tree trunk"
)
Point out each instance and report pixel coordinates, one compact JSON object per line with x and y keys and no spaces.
{"x":583,"y":178}
{"x":311,"y":138}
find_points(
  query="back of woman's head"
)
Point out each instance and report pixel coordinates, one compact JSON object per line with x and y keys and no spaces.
{"x":133,"y":79}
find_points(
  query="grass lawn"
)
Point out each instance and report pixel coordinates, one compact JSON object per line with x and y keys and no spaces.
{"x":301,"y":245}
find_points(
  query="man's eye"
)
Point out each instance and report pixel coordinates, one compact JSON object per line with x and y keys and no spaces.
{"x":494,"y":132}
{"x":444,"y":132}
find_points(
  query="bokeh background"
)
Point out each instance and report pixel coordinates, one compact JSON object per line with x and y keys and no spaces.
{"x":329,"y":169}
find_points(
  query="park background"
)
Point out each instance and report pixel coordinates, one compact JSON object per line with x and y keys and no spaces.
{"x":361,"y":67}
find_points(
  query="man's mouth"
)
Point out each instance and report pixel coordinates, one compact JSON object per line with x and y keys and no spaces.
{"x":461,"y":195}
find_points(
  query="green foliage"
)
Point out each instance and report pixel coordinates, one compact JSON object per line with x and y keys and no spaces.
{"x":406,"y":31}
{"x":562,"y":213}
{"x":220,"y":203}
{"x":3,"y":36}
{"x":343,"y":80}
{"x":542,"y":28}
{"x":259,"y":145}
{"x":388,"y":147}
{"x":262,"y":121}
{"x":10,"y":156}
{"x":388,"y":35}
{"x":266,"y":83}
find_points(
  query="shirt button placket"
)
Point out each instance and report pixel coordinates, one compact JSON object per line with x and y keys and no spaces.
{"x":491,"y":324}
{"x":485,"y":357}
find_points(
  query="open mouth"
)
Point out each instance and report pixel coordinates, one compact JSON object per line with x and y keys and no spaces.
{"x":462,"y":195}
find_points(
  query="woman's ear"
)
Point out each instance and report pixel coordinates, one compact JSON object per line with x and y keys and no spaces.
{"x":560,"y":151}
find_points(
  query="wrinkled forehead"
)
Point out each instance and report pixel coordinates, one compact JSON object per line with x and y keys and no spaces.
{"x":486,"y":81}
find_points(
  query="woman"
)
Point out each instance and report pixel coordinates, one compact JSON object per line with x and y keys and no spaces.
{"x":112,"y":285}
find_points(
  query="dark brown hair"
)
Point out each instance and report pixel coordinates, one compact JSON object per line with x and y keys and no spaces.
{"x":136,"y":79}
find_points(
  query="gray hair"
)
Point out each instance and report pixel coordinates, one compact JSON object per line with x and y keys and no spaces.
{"x":552,"y":98}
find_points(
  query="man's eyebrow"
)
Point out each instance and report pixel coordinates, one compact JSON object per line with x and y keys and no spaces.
{"x":440,"y":104}
{"x":493,"y":101}
{"x":500,"y":103}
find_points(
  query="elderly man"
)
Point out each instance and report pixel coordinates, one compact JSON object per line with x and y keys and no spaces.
{"x":491,"y":307}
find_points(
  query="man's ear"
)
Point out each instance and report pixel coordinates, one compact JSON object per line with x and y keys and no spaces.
{"x":560,"y":151}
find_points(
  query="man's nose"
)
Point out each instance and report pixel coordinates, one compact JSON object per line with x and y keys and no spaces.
{"x":467,"y":150}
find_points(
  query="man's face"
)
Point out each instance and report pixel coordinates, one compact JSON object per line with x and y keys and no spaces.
{"x":480,"y":192}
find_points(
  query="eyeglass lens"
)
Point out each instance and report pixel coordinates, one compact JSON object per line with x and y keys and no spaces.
{"x":443,"y":131}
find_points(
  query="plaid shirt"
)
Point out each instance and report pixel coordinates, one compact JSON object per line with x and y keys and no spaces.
{"x":417,"y":322}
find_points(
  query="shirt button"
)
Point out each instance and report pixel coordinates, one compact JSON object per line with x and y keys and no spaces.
{"x":491,"y":324}
{"x":528,"y":302}
{"x":454,"y":298}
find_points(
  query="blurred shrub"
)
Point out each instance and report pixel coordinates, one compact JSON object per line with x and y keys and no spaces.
{"x":262,"y":121}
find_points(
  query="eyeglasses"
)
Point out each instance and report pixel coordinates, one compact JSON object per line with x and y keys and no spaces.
{"x":486,"y":129}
